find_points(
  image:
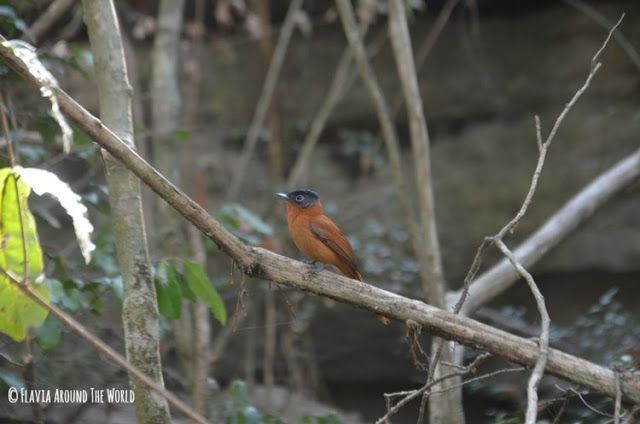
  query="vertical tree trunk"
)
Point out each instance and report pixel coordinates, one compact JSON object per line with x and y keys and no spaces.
{"x":139,"y":308}
{"x":201,"y":327}
{"x":165,"y":113}
{"x":445,"y":407}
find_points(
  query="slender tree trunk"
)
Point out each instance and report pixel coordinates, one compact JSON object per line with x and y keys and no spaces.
{"x":165,"y":113}
{"x":139,"y":308}
{"x":446,"y":406}
{"x":201,"y":333}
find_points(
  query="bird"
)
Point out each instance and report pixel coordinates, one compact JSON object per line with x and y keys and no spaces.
{"x":318,"y":237}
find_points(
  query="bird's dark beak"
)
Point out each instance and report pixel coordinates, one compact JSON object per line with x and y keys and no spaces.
{"x":282,"y":196}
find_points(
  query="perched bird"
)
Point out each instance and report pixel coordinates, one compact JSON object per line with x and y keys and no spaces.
{"x":316,"y":235}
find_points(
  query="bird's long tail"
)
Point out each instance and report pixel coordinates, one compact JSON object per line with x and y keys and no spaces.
{"x":356,"y":275}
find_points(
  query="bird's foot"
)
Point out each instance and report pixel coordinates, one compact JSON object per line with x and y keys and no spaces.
{"x":317,"y":267}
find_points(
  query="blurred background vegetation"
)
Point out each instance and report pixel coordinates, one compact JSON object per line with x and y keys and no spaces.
{"x":284,"y":355}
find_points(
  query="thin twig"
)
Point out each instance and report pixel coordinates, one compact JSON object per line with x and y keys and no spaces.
{"x":268,"y":88}
{"x":487,"y":293}
{"x":410,"y":395}
{"x":481,"y":377}
{"x":12,"y":162}
{"x":618,"y":402}
{"x":536,"y":375}
{"x":592,"y":13}
{"x":104,"y":349}
{"x":587,"y":404}
{"x":556,"y":419}
{"x":7,"y":133}
{"x":541,"y":362}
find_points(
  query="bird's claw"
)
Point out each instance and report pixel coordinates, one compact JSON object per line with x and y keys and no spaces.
{"x":318,"y":266}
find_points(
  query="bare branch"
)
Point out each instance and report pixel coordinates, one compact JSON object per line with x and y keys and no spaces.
{"x":259,"y":262}
{"x":538,"y":369}
{"x":433,"y":284}
{"x":577,"y":210}
{"x":618,"y":402}
{"x":536,"y":375}
{"x":268,"y":88}
{"x":502,"y":275}
{"x":538,"y":132}
{"x":56,"y":9}
{"x":410,"y":395}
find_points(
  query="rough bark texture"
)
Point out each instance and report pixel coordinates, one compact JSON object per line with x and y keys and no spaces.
{"x":139,"y":307}
{"x":265,"y":264}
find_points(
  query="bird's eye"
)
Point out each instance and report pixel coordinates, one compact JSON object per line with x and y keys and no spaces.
{"x":299,"y":198}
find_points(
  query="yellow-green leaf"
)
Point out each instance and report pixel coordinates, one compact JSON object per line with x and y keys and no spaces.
{"x":18,"y":235}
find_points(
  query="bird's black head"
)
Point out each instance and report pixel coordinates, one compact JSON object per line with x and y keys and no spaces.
{"x":302,"y":198}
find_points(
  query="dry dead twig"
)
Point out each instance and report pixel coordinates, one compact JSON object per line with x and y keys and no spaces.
{"x":410,"y":395}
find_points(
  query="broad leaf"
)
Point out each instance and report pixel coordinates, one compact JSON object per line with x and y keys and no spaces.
{"x":168,"y":291}
{"x":48,"y":334}
{"x":237,"y":217}
{"x":17,"y":311}
{"x":203,"y":288}
{"x":42,"y":182}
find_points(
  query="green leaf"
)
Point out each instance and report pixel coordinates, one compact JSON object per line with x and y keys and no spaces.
{"x":183,"y":135}
{"x":331,"y":418}
{"x":11,"y":380}
{"x":203,"y":288}
{"x":168,"y":291}
{"x":48,"y":129}
{"x":243,"y":223}
{"x":48,"y":334}
{"x":18,"y":235}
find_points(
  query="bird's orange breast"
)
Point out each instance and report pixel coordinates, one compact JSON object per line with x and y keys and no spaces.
{"x":307,"y":242}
